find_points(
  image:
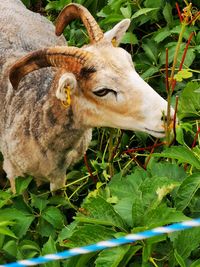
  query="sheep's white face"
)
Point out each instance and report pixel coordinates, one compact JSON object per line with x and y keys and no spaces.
{"x":114,"y":95}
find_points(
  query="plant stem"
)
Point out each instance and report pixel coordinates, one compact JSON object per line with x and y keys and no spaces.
{"x":172,"y":82}
{"x":176,"y":53}
{"x":153,"y":262}
{"x":110,"y":152}
{"x":89,"y":169}
{"x":167,"y":70}
{"x":179,"y":12}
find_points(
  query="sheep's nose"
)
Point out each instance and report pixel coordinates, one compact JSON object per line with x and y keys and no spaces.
{"x":169,"y":123}
{"x":164,"y":118}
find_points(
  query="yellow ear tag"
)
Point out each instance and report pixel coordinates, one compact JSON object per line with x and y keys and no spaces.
{"x":67,"y":102}
{"x":114,"y":42}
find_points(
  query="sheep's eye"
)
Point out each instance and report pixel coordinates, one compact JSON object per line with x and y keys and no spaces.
{"x":104,"y":91}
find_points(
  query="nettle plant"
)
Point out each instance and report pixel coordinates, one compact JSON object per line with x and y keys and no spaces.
{"x":127,"y":182}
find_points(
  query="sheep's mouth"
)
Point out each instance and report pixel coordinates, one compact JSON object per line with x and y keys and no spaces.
{"x":155,"y":133}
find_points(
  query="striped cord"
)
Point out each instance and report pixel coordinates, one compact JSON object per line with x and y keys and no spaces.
{"x":106,"y":244}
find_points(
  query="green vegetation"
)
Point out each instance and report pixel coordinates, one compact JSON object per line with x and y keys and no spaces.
{"x":127,"y":182}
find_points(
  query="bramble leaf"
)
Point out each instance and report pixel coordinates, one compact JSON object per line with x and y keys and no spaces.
{"x":187,"y":190}
{"x":189,"y":101}
{"x":99,"y":211}
{"x":182,"y":154}
{"x":143,"y":11}
{"x":183,"y":74}
{"x":50,"y":248}
{"x":54,"y":217}
{"x":111,"y":257}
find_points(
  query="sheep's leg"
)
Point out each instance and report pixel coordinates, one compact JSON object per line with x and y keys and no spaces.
{"x":12,"y":185}
{"x":11,"y":172}
{"x":57,"y":184}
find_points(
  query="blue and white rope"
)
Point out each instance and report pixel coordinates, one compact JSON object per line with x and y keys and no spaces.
{"x":106,"y":244}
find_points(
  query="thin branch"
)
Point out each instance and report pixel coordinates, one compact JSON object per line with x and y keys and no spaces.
{"x":195,"y":138}
{"x":183,"y":57}
{"x":151,"y":152}
{"x":132,"y":150}
{"x":116,"y":147}
{"x":179,"y":12}
{"x":167,"y":70}
{"x":89,"y":169}
{"x":195,"y":17}
{"x":174,"y":120}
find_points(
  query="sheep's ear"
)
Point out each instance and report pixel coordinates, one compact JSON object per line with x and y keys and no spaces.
{"x":115,"y":34}
{"x":67,"y":81}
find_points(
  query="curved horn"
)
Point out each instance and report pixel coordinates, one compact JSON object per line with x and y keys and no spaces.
{"x":74,"y":11}
{"x":72,"y":59}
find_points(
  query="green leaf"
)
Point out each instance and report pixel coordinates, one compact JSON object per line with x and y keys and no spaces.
{"x":115,"y":4}
{"x":53,"y":216}
{"x":187,"y":190}
{"x":21,"y":184}
{"x":79,"y":261}
{"x":22,"y":226}
{"x":11,"y":248}
{"x":125,"y":187}
{"x":23,"y":220}
{"x":138,"y":210}
{"x":183,"y":74}
{"x":27,"y":2}
{"x":124,"y":209}
{"x":39,"y":202}
{"x":187,"y":32}
{"x":111,"y":257}
{"x":186,"y":241}
{"x":198,"y":38}
{"x":129,"y":38}
{"x":89,"y":234}
{"x":167,"y":13}
{"x":189,"y":101}
{"x":143,"y":11}
{"x":195,"y":263}
{"x":150,"y":49}
{"x":155,"y":189}
{"x":179,"y":259}
{"x":162,"y":215}
{"x":6,"y":223}
{"x":146,"y":254}
{"x":149,"y":72}
{"x":56,"y":5}
{"x":6,"y":231}
{"x":5,"y":198}
{"x":50,"y":248}
{"x":67,"y":231}
{"x":128,"y":194}
{"x":28,"y":249}
{"x":161,"y":35}
{"x":180,"y":135}
{"x":45,"y":229}
{"x":182,"y":154}
{"x":190,"y":56}
{"x":29,"y":245}
{"x":112,"y":18}
{"x":126,"y":11}
{"x":129,"y":255}
{"x":2,"y":240}
{"x":99,"y":211}
{"x":167,"y":169}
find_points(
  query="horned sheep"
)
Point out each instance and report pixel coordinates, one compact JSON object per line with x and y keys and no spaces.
{"x":38,"y":135}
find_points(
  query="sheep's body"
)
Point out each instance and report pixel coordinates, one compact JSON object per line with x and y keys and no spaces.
{"x":37,"y":136}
